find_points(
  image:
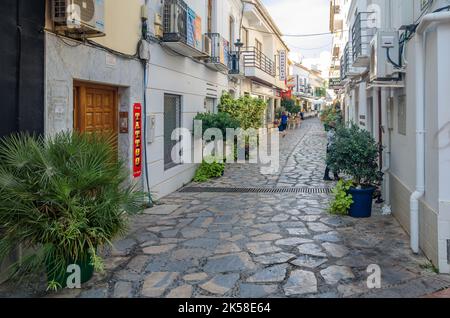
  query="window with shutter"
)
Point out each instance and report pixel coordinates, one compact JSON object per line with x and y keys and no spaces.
{"x":172,"y":121}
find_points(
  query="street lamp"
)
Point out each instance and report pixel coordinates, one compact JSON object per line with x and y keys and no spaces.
{"x":239,"y":46}
{"x":236,"y":57}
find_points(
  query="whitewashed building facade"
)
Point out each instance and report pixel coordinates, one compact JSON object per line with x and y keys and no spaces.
{"x":403,"y":101}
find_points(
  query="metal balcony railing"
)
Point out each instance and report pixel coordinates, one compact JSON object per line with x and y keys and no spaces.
{"x":346,"y":61}
{"x":363,"y":31}
{"x":220,"y":49}
{"x":255,"y":58}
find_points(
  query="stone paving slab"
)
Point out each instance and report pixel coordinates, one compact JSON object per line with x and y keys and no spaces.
{"x":259,"y":244}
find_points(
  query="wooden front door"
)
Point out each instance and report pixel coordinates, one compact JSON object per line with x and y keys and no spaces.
{"x":95,"y":109}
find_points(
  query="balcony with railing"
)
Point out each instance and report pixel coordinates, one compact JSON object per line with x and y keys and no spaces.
{"x":363,"y":31}
{"x":257,"y":65}
{"x":348,"y":68}
{"x":346,"y":61}
{"x":218,"y":50}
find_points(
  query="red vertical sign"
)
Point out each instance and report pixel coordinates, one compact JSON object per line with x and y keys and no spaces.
{"x":137,"y":140}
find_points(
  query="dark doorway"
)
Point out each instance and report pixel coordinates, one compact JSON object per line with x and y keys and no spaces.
{"x":22,"y":65}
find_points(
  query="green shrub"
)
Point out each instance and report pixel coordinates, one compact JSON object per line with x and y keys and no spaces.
{"x":61,"y":198}
{"x":355,"y":153}
{"x":330,"y":115}
{"x":342,"y":200}
{"x":289,"y":106}
{"x":220,"y":121}
{"x":247,"y":110}
{"x":209,"y":169}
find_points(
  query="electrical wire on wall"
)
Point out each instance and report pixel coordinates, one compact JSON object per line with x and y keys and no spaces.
{"x":146,"y":172}
{"x":145,"y":64}
{"x":78,"y":42}
{"x":410,"y":30}
{"x":136,"y":56}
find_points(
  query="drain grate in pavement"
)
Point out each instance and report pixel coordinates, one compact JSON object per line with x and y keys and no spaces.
{"x":255,"y":190}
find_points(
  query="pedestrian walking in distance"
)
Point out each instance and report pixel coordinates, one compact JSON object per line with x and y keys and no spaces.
{"x":284,"y":124}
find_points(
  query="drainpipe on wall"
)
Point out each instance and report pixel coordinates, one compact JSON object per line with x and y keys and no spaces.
{"x":427,"y":21}
{"x":380,"y":126}
{"x":387,"y":150}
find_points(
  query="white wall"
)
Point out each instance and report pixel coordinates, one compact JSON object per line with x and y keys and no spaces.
{"x":65,"y":61}
{"x":435,"y":203}
{"x":442,"y":139}
{"x":193,"y":81}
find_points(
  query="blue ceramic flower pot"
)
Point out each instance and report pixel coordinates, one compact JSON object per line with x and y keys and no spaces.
{"x":362,"y":202}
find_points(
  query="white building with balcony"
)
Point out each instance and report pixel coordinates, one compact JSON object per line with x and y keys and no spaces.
{"x":193,"y":62}
{"x":307,"y":83}
{"x":337,"y":28}
{"x":188,"y":72}
{"x":265,"y":57}
{"x":396,"y":72}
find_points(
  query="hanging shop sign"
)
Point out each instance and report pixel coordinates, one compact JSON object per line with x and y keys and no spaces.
{"x":292,"y":81}
{"x":137,"y":140}
{"x":286,"y":94}
{"x":335,"y":83}
{"x":283,"y":62}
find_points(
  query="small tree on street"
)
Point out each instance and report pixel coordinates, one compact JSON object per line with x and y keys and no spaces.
{"x":355,"y":153}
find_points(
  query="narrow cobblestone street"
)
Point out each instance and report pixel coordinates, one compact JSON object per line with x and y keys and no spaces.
{"x":262,"y":245}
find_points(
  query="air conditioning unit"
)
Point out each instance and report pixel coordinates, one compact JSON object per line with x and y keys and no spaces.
{"x":381,"y":69}
{"x":175,"y":21}
{"x":207,"y":45}
{"x":79,"y":18}
{"x":182,"y":29}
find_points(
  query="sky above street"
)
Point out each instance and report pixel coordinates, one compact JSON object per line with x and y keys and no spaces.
{"x":299,"y":17}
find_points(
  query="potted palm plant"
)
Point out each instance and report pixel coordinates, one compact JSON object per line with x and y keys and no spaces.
{"x":355,"y":153}
{"x":61,"y":198}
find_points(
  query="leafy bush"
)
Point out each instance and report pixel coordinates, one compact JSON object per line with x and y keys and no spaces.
{"x":290,"y":106}
{"x":247,"y":110}
{"x":61,"y":198}
{"x":355,"y":153}
{"x":330,"y":115}
{"x":220,"y":121}
{"x":209,"y":169}
{"x":320,"y":92}
{"x":342,"y":200}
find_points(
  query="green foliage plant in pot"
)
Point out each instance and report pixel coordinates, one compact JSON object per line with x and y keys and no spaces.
{"x":62,"y":198}
{"x":289,"y":106}
{"x":247,"y":110}
{"x":209,"y":169}
{"x":220,"y":121}
{"x":342,"y":199}
{"x":355,"y":153}
{"x":330,"y":115}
